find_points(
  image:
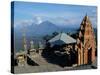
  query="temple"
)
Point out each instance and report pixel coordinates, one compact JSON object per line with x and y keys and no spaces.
{"x":86,"y":45}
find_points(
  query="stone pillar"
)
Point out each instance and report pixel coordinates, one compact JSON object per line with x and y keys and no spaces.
{"x":79,"y":57}
{"x":93,"y":55}
{"x":85,"y":57}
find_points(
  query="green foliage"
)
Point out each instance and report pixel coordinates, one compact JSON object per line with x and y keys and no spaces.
{"x":21,"y":50}
{"x":54,"y":34}
{"x":36,"y":46}
{"x":48,"y":37}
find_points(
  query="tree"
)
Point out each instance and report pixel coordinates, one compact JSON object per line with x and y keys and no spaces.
{"x":54,"y":34}
{"x":47,"y":37}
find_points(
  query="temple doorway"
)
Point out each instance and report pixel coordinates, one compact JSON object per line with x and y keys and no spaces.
{"x":89,"y":55}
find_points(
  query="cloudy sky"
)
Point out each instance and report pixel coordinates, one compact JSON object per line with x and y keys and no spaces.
{"x":59,"y":14}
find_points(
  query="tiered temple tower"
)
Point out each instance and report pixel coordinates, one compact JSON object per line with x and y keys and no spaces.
{"x":24,"y":41}
{"x":86,"y":45}
{"x":25,"y":48}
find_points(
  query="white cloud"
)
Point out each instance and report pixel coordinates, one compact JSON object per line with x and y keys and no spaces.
{"x":35,"y":20}
{"x":23,"y":22}
{"x":38,"y":20}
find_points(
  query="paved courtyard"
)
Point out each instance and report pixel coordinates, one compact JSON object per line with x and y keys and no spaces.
{"x":44,"y":66}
